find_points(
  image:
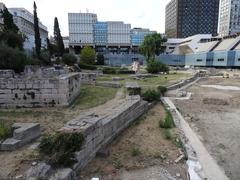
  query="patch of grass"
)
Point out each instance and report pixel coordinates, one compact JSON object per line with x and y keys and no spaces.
{"x":179,"y":143}
{"x":16,"y":113}
{"x":152,"y":82}
{"x":168,"y":121}
{"x":167,"y":134}
{"x":5,"y":130}
{"x":117,"y":164}
{"x":92,"y":96}
{"x":135,"y":151}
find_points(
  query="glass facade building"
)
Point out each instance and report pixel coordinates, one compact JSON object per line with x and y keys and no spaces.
{"x":185,"y":18}
{"x":229,"y":17}
{"x":138,"y":34}
{"x":100,"y":34}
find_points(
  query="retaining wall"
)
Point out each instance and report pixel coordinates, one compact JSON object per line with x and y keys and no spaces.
{"x":100,"y":130}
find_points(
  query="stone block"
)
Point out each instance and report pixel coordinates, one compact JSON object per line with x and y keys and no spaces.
{"x":111,"y":84}
{"x":41,"y":170}
{"x":26,"y":132}
{"x":64,"y":174}
{"x":10,"y":144}
{"x":133,"y":88}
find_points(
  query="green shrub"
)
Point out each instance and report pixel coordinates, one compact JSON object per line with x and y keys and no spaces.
{"x":5,"y":130}
{"x":154,"y":67}
{"x":11,"y":58}
{"x":168,"y":121}
{"x":69,"y":59}
{"x":167,"y":134}
{"x":151,"y":95}
{"x":162,"y":90}
{"x":135,"y":152}
{"x":59,"y":148}
{"x":87,"y":66}
{"x":109,"y":70}
{"x":88,"y":55}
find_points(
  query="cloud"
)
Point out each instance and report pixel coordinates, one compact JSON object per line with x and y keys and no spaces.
{"x":139,"y":13}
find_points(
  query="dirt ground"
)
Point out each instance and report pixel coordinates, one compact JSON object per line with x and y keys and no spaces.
{"x":141,"y":152}
{"x":215,"y":115}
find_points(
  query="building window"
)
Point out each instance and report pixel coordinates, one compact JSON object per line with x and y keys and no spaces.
{"x":220,"y":59}
{"x":238,"y":59}
{"x":199,"y":60}
{"x":209,"y":60}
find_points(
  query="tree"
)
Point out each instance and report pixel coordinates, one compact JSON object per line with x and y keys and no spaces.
{"x":10,"y":35}
{"x":154,"y":67}
{"x":12,"y":58}
{"x":36,"y":30}
{"x":8,"y":21}
{"x":152,"y":45}
{"x":88,"y":55}
{"x":58,"y":38}
{"x":69,"y":59}
{"x":100,"y":59}
{"x":12,"y":39}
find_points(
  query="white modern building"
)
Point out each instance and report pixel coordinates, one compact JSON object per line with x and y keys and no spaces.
{"x":25,"y":22}
{"x":118,"y":34}
{"x":81,"y":27}
{"x":2,"y":6}
{"x":191,"y":44}
{"x":66,"y":42}
{"x":171,"y":44}
{"x":229,"y":17}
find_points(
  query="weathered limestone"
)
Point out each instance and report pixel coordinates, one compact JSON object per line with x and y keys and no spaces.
{"x":41,"y":170}
{"x":133,"y":88}
{"x":117,"y":79}
{"x":99,"y":130}
{"x":41,"y":87}
{"x":88,"y":78}
{"x":64,"y":174}
{"x":23,"y":133}
{"x":109,"y":84}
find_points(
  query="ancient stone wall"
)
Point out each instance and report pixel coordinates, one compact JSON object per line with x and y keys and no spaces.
{"x":41,"y":87}
{"x":99,"y":130}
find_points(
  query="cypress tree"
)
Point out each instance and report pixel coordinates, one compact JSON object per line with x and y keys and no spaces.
{"x":8,"y":21}
{"x":58,"y":38}
{"x":37,"y":33}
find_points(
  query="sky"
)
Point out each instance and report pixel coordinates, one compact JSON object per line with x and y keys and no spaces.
{"x":138,"y":13}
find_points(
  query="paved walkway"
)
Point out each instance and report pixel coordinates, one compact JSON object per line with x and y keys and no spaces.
{"x":210,"y":167}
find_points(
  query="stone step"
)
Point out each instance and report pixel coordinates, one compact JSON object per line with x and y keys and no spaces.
{"x":10,"y":144}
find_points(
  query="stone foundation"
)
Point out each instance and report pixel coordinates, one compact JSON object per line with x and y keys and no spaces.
{"x":100,"y":130}
{"x":41,"y":87}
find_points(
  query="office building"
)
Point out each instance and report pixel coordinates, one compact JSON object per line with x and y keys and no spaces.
{"x":118,"y":34}
{"x":25,"y":23}
{"x":185,"y":18}
{"x":138,"y":35}
{"x":2,"y":6}
{"x":81,"y":29}
{"x":229,"y":17}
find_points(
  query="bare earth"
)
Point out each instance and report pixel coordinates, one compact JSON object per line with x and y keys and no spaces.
{"x":214,"y":115}
{"x":155,"y":153}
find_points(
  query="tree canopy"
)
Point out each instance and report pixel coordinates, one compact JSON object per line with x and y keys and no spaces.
{"x":36,"y":30}
{"x":88,"y":55}
{"x":152,"y":45}
{"x":8,"y":21}
{"x":58,"y":38}
{"x":9,"y":34}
